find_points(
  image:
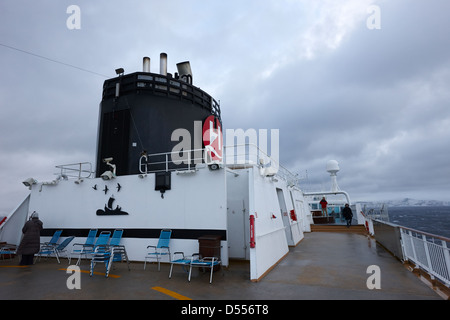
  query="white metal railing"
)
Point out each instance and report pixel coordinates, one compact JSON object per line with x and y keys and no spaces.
{"x":427,"y":251}
{"x":78,"y":170}
{"x":186,"y":160}
{"x":251,"y":154}
{"x":380,"y":212}
{"x":163,"y":161}
{"x":238,"y":155}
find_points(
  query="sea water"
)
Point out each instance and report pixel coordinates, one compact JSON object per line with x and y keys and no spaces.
{"x":435,"y":220}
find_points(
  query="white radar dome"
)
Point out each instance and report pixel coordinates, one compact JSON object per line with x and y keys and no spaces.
{"x":332,"y":166}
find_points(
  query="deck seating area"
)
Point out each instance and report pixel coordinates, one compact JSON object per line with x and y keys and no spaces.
{"x":106,"y":249}
{"x":155,"y":253}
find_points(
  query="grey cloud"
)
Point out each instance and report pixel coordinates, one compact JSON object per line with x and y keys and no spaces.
{"x":375,"y":100}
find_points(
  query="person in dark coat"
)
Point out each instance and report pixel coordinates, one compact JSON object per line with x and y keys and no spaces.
{"x":30,"y":243}
{"x":348,"y":214}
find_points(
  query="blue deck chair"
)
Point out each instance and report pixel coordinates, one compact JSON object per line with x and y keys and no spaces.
{"x":101,"y":254}
{"x":54,"y":240}
{"x":56,"y":250}
{"x":181,"y":260}
{"x":120,"y":253}
{"x":195,"y":261}
{"x":110,"y":253}
{"x":101,"y":241}
{"x":50,"y":245}
{"x":116,"y":237}
{"x":206,"y":262}
{"x":8,"y":250}
{"x":84,"y":248}
{"x":161,"y":249}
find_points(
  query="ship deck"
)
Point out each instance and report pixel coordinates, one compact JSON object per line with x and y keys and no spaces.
{"x":324,"y":266}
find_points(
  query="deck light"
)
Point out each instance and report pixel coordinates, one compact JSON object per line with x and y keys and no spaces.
{"x":107,"y":175}
{"x":29,"y":182}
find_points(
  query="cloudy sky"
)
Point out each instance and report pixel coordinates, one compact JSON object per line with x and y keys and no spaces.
{"x":375,"y":99}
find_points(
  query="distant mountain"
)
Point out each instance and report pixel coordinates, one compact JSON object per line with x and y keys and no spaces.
{"x":408,"y":202}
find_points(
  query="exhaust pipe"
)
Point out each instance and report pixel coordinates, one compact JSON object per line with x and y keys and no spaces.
{"x":146,"y":64}
{"x":163,"y":64}
{"x":184,"y":71}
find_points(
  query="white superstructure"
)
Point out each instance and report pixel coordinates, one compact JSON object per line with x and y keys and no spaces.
{"x":253,"y":205}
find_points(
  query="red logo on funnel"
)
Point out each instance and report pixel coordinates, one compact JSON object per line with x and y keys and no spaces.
{"x":213,"y":139}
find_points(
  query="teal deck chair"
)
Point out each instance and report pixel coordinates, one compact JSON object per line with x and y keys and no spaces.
{"x":8,"y":250}
{"x":50,"y":245}
{"x":181,"y":260}
{"x":54,"y":240}
{"x":116,"y":238}
{"x":206,"y":262}
{"x":86,"y":248}
{"x":118,"y":251}
{"x":101,"y":241}
{"x":110,"y":253}
{"x":56,"y":250}
{"x":161,"y":249}
{"x":195,"y":261}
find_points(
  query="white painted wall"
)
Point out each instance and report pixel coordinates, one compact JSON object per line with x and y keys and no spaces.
{"x":195,"y":201}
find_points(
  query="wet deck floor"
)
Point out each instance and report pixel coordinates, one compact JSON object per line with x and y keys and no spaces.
{"x":323,"y":266}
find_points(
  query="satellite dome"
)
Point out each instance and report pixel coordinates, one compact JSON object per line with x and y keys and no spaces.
{"x":332,"y":166}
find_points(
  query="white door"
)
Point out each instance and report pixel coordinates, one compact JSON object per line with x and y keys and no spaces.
{"x":237,"y":231}
{"x":285,"y":216}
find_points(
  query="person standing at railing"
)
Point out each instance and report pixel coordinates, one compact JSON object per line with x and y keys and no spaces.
{"x":348,"y":214}
{"x":324,"y":203}
{"x":30,"y":243}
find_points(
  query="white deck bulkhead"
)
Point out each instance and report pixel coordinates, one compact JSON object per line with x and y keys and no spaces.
{"x":195,"y":206}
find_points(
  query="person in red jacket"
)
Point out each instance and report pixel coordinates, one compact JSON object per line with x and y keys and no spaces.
{"x":324,"y":203}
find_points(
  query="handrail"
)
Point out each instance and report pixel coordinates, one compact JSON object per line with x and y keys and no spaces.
{"x":78,"y":168}
{"x":257,"y":154}
{"x":427,"y":251}
{"x":442,"y":238}
{"x":187,"y":160}
{"x":428,"y":254}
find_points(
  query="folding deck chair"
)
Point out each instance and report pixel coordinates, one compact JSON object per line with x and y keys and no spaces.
{"x":161,"y":249}
{"x":86,"y":247}
{"x":56,"y":250}
{"x":118,"y":251}
{"x":110,"y":253}
{"x":182,"y":261}
{"x":7,"y":250}
{"x":207,"y":262}
{"x":101,"y":241}
{"x":54,"y":240}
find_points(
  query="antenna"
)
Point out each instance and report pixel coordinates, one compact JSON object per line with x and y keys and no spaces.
{"x":333,"y":169}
